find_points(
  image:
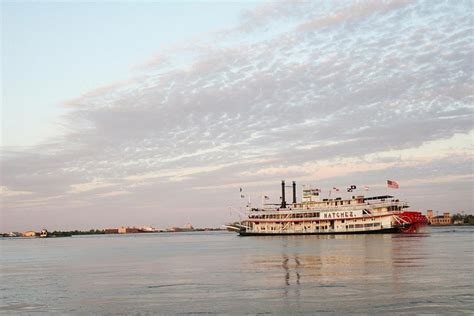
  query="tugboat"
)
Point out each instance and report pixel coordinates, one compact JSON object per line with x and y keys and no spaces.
{"x":316,"y":216}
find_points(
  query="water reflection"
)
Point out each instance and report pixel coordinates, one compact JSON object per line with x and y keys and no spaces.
{"x":290,"y":267}
{"x":332,"y":261}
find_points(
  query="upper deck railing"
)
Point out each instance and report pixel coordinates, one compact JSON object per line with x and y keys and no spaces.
{"x":320,"y":207}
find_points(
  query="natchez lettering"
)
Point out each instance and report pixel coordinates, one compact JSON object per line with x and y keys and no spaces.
{"x":347,"y":214}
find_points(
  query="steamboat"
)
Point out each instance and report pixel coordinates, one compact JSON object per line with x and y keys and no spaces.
{"x":315,"y":216}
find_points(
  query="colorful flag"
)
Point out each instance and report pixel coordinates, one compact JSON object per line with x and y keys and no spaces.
{"x":351,"y":188}
{"x":392,"y":184}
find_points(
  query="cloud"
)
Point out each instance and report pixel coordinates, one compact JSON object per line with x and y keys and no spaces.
{"x":352,"y":13}
{"x":335,"y":93}
{"x":269,"y":12}
{"x":88,"y":186}
{"x":114,"y":193}
{"x":159,"y":60}
{"x":6,"y":192}
{"x":97,"y":92}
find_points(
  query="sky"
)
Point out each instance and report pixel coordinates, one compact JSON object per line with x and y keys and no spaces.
{"x":156,"y":113}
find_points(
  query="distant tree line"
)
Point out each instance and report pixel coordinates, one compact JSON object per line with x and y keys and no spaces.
{"x":461,"y":218}
{"x":86,"y":232}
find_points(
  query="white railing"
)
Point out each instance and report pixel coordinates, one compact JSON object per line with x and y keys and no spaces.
{"x":328,"y":208}
{"x":342,"y":208}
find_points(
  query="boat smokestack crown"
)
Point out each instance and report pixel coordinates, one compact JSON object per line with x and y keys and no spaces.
{"x":294,"y":192}
{"x":283,"y":201}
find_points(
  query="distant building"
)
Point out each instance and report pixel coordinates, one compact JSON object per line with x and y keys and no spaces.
{"x":29,"y":233}
{"x":128,"y":230}
{"x":187,"y":228}
{"x":147,"y":229}
{"x":444,"y":219}
{"x":111,"y":231}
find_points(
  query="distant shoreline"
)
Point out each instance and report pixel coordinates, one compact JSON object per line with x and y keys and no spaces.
{"x":62,"y":234}
{"x":59,"y":234}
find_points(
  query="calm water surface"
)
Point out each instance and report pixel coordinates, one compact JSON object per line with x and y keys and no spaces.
{"x":221,"y":273}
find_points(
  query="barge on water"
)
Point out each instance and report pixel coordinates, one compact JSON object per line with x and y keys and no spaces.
{"x":316,"y":216}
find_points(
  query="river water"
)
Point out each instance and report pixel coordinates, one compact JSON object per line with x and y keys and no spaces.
{"x":221,"y":273}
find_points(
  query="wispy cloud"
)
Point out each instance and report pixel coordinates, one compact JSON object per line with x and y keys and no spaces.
{"x":89,"y":186}
{"x":6,"y":192}
{"x":114,"y":193}
{"x":159,"y":60}
{"x":352,"y":13}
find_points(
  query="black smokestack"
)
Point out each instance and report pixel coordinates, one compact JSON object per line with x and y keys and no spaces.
{"x":283,"y":201}
{"x":294,"y":192}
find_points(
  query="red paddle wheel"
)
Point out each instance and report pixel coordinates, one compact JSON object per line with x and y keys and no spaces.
{"x":410,"y":221}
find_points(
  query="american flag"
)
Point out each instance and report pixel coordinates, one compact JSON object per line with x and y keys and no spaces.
{"x":392,"y":184}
